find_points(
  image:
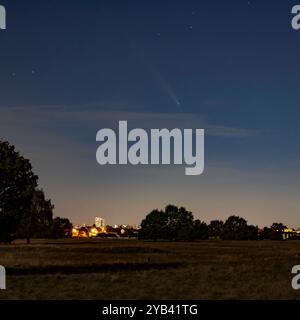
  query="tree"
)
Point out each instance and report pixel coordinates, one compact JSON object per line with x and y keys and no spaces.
{"x":171,"y":224}
{"x":276,"y":231}
{"x":278,"y":227}
{"x":236,"y":228}
{"x":154,"y":226}
{"x":215,"y":228}
{"x":61,"y":228}
{"x":180,"y":223}
{"x":17,"y":186}
{"x":200,"y":230}
{"x":37,"y":220}
{"x":265,"y":233}
{"x":252,"y":233}
{"x":233,"y":228}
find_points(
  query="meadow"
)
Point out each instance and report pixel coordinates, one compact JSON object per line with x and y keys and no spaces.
{"x":132,"y":269}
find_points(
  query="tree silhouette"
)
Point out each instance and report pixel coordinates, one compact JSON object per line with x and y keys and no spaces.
{"x":200,"y":230}
{"x":236,"y":228}
{"x":215,"y":228}
{"x":17,"y":186}
{"x":276,"y":231}
{"x":61,"y":228}
{"x":37,"y":220}
{"x":154,"y":226}
{"x":180,"y":223}
{"x":172,"y":224}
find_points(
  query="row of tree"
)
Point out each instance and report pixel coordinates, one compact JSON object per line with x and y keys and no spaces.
{"x":24,"y":210}
{"x":175,"y":224}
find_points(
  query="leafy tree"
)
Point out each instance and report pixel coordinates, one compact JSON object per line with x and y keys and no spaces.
{"x":61,"y":228}
{"x":233,"y":228}
{"x":180,"y":223}
{"x":236,"y":228}
{"x":37,"y":220}
{"x":276,"y":231}
{"x":265,"y":233}
{"x":154,"y":226}
{"x":200,"y":230}
{"x":251,"y":233}
{"x":278,"y":227}
{"x":17,"y":186}
{"x":215,"y":228}
{"x":171,"y":224}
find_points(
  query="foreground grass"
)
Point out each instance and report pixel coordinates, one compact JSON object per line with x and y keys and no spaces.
{"x":131,"y":269}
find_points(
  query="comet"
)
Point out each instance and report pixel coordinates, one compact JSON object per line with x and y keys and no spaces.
{"x":164,"y":85}
{"x":167,"y":88}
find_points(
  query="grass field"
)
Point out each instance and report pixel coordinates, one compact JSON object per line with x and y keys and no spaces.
{"x":132,"y":269}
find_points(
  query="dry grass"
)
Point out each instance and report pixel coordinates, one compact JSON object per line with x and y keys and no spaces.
{"x":130,"y":269}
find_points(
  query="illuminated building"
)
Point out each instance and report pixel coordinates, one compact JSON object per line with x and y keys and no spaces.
{"x":99,"y":222}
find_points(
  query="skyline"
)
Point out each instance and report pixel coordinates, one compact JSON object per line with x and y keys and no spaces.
{"x":69,"y":70}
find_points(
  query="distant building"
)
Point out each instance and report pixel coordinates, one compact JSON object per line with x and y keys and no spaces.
{"x":289,"y":233}
{"x":100,"y":230}
{"x":99,"y":222}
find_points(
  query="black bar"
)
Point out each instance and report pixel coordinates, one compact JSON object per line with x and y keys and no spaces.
{"x":152,"y":309}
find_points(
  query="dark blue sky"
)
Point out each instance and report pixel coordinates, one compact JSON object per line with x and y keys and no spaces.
{"x":69,"y":68}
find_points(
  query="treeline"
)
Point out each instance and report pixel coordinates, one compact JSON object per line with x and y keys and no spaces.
{"x":178,"y":224}
{"x":25,"y":212}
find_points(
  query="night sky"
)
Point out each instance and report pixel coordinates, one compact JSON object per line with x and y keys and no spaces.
{"x":69,"y":68}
